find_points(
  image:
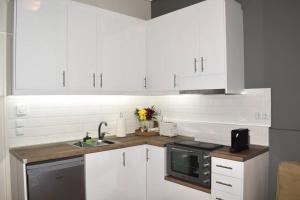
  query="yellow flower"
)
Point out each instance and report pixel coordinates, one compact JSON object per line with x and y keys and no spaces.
{"x":142,"y":114}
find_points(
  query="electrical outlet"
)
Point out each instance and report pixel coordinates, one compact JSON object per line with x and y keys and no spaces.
{"x":22,"y":110}
{"x":19,"y":132}
{"x":20,"y":123}
{"x":261,"y":116}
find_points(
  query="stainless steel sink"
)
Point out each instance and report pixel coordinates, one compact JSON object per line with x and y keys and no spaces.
{"x":95,"y":143}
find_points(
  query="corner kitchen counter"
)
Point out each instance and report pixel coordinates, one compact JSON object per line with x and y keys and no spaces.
{"x":44,"y":152}
{"x":253,"y":151}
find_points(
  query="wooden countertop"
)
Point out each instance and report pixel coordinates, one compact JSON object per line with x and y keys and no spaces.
{"x":253,"y":151}
{"x":44,"y":152}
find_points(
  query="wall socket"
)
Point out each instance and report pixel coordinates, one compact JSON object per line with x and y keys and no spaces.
{"x":261,"y":116}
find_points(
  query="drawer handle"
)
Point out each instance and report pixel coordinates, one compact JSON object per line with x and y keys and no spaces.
{"x":221,"y":183}
{"x":217,"y":198}
{"x":221,"y":166}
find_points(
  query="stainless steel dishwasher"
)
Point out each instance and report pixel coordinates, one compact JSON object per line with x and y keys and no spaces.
{"x":57,"y":180}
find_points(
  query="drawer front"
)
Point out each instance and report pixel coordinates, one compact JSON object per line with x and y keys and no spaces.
{"x":227,"y":167}
{"x":219,"y":195}
{"x":226,"y":184}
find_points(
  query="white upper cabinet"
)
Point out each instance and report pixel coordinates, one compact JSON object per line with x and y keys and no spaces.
{"x":201,"y":45}
{"x":64,"y":47}
{"x":82,"y":47}
{"x":121,"y":52}
{"x":40,"y":46}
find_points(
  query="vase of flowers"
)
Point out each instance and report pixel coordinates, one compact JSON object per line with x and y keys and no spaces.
{"x":146,"y":117}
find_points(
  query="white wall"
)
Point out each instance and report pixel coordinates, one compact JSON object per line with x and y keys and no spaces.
{"x":4,"y":181}
{"x":60,"y":118}
{"x":135,"y":8}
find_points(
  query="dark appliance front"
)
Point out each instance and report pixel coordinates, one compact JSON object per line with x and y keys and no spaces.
{"x":190,"y":161}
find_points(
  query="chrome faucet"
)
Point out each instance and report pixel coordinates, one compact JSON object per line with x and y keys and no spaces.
{"x":100,"y":134}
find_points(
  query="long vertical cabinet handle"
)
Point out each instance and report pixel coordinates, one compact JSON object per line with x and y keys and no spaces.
{"x":124,"y":159}
{"x":195,"y":65}
{"x":64,"y":79}
{"x":202,"y":64}
{"x":145,"y":82}
{"x":101,"y":80}
{"x":94,"y":80}
{"x":174,"y":81}
{"x":147,"y":154}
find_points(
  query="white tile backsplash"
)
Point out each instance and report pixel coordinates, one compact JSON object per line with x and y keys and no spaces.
{"x":208,"y":118}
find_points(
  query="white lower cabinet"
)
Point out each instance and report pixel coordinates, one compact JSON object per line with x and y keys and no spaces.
{"x":233,"y":180}
{"x":116,"y":174}
{"x":160,"y":189}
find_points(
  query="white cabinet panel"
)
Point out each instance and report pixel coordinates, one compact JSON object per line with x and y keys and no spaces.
{"x":212,"y":37}
{"x":82,"y":37}
{"x":105,"y":175}
{"x":160,"y":74}
{"x":135,"y":170}
{"x":156,"y":185}
{"x":219,"y":195}
{"x":226,"y":184}
{"x":40,"y":44}
{"x":121,"y":52}
{"x":228,"y":167}
{"x":117,"y":174}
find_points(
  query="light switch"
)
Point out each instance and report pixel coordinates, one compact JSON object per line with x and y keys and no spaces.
{"x":22,"y":110}
{"x":20,"y":123}
{"x":19,"y":132}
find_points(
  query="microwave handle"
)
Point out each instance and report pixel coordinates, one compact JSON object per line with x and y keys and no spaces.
{"x":182,"y":150}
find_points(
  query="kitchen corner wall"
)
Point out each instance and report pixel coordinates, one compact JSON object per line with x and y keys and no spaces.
{"x":209,"y":118}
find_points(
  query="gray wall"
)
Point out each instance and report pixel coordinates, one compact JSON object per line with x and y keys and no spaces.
{"x":136,"y":8}
{"x":272,"y":59}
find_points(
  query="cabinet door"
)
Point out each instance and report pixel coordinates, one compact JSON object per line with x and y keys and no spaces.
{"x":160,"y":74}
{"x":135,"y":170}
{"x":156,"y":185}
{"x":212,"y":35}
{"x":121,"y":52}
{"x":183,"y":41}
{"x":82,"y":47}
{"x":41,"y":39}
{"x":105,"y":175}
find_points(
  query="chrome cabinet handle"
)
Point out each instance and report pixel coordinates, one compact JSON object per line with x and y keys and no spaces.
{"x":195,"y":65}
{"x":182,"y":150}
{"x":145,"y":82}
{"x":64,"y":78}
{"x":174,"y":81}
{"x":206,"y":156}
{"x":147,"y":154}
{"x":202,"y":64}
{"x":222,"y":166}
{"x":217,"y":198}
{"x":101,"y":80}
{"x":221,"y":183}
{"x":124,"y":158}
{"x":94,"y":80}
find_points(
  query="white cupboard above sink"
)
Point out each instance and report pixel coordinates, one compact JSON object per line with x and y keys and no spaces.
{"x":65,"y":47}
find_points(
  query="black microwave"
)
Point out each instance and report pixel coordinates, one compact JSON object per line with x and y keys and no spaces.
{"x":190,"y":161}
